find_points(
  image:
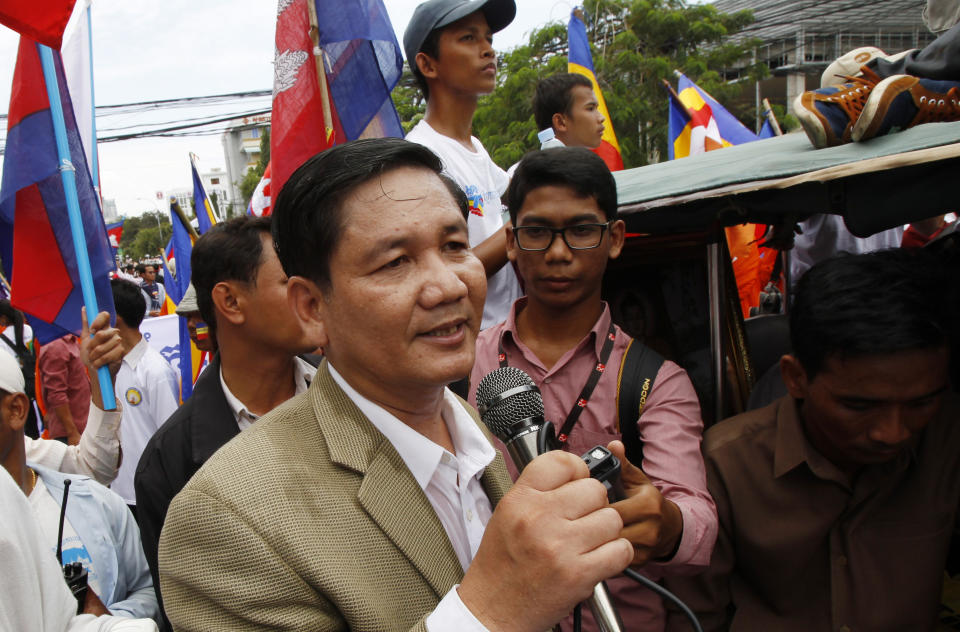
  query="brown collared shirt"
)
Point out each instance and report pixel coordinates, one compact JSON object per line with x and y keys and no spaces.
{"x":802,"y":546}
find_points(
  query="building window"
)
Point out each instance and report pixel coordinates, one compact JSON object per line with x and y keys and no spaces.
{"x":255,"y":132}
{"x":214,"y":180}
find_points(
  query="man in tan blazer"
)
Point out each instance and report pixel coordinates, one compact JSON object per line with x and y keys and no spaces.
{"x":374,"y":501}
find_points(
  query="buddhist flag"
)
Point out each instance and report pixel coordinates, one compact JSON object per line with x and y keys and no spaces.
{"x":697,"y":124}
{"x":580,"y":61}
{"x":192,"y":360}
{"x":36,"y":243}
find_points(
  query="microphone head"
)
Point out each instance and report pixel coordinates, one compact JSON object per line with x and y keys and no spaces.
{"x":506,"y":397}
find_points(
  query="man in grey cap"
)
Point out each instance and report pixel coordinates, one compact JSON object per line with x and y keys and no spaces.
{"x":201,"y":334}
{"x":449,"y":46}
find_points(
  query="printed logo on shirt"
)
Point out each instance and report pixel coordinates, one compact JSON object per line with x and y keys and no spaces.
{"x":475,"y":200}
{"x":133,"y":396}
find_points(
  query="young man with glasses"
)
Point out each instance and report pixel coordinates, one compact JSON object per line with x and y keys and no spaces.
{"x":563,"y":207}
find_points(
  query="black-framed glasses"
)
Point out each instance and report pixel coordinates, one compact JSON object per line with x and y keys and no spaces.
{"x":577,"y":237}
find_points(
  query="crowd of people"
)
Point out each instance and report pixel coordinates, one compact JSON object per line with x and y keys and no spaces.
{"x":330,"y":470}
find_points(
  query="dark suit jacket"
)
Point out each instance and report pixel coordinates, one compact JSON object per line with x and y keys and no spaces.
{"x":193,"y":433}
{"x":309,"y":520}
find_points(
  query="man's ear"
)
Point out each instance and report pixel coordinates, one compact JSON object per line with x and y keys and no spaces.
{"x":794,"y":377}
{"x":559,"y":122}
{"x":618,"y":231}
{"x":427,"y":65}
{"x":511,"y":244}
{"x":308,"y":303}
{"x":15,"y":407}
{"x":228,"y":303}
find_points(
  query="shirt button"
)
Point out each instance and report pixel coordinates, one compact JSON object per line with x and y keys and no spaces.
{"x":469,"y":515}
{"x":546,"y":380}
{"x":842,"y":560}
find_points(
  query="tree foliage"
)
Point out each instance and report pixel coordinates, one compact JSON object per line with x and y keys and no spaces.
{"x":636,"y":44}
{"x":248,"y":184}
{"x":142,"y":237}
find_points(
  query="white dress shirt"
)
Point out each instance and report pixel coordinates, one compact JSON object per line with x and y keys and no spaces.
{"x":303,"y":373}
{"x":463,"y":509}
{"x":150,"y":390}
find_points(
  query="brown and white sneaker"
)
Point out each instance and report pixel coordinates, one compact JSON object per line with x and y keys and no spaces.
{"x":828,"y":114}
{"x":903,"y":101}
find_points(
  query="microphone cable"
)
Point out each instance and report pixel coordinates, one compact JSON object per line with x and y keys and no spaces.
{"x":655,"y":587}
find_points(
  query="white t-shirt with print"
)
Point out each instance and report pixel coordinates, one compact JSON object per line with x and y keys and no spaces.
{"x":484,"y":183}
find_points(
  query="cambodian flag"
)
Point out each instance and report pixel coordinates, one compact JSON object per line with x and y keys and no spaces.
{"x":339,"y":95}
{"x":580,"y":61}
{"x":36,"y":245}
{"x":40,"y":21}
{"x":115,"y":233}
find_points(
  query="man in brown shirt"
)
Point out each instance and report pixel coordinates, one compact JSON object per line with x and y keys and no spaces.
{"x":838,"y":502}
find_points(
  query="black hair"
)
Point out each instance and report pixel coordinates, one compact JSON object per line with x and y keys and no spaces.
{"x":430,"y":48}
{"x":141,"y":268}
{"x":554,"y":95}
{"x":129,"y":302}
{"x":307,"y":219}
{"x":576,"y":168}
{"x":15,"y":317}
{"x":229,"y":251}
{"x":870,"y":304}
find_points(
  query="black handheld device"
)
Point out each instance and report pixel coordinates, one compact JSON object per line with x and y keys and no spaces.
{"x":605,"y":468}
{"x":73,"y":573}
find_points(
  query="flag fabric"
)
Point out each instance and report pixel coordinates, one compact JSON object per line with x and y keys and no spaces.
{"x":191,"y":359}
{"x":260,"y":203}
{"x":40,"y":21}
{"x":766,"y":131}
{"x":343,"y":96}
{"x":36,"y":245}
{"x":114,"y":233}
{"x":580,"y":61}
{"x":363,"y":63}
{"x":697,"y":124}
{"x":77,"y":64}
{"x":206,"y":216}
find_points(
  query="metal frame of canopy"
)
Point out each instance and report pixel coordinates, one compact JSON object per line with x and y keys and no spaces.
{"x":889,"y":181}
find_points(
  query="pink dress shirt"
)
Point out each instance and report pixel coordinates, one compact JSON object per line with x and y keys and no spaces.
{"x":63,"y":380}
{"x":670,"y":428}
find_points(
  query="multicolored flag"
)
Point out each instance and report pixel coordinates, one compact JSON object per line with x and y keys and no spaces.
{"x":697,"y":124}
{"x":36,"y":244}
{"x":206,"y":215}
{"x":191,"y":358}
{"x":114,"y":233}
{"x":580,"y":61}
{"x":342,"y":94}
{"x":43,"y":22}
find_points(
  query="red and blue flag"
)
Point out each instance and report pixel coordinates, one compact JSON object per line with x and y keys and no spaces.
{"x":36,"y":245}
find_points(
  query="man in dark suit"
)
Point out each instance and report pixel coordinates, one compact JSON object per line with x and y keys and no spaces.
{"x":241,"y":294}
{"x":375,"y":501}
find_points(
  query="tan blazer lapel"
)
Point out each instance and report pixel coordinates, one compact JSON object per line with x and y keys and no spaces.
{"x":388,"y":493}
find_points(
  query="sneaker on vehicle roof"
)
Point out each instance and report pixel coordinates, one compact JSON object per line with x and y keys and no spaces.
{"x":828,"y":114}
{"x":902,"y":101}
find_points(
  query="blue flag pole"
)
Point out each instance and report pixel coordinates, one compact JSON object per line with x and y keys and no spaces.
{"x":69,"y":178}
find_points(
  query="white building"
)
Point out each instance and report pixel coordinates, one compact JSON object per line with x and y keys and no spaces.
{"x":241,"y":152}
{"x":217,"y":186}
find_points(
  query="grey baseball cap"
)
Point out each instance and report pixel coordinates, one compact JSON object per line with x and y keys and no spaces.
{"x":436,"y":14}
{"x":189,"y":302}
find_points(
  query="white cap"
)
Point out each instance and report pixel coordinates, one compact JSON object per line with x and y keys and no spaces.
{"x":11,"y":376}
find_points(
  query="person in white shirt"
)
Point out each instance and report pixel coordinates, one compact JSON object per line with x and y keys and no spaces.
{"x":146,"y":383}
{"x":449,"y":46}
{"x":98,"y":453}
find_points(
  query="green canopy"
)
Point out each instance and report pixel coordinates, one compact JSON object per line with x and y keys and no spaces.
{"x":875,"y":185}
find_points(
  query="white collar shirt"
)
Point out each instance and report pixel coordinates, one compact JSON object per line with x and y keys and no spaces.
{"x":303,"y":373}
{"x":463,"y":509}
{"x":150,"y":391}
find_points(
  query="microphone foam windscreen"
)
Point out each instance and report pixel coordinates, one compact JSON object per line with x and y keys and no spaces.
{"x":502,"y":415}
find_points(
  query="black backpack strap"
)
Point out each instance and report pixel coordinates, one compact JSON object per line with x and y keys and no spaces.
{"x":638,"y":371}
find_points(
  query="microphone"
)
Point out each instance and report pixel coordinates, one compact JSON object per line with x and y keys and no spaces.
{"x":511,"y":407}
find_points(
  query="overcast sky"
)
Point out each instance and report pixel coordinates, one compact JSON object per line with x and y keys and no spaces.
{"x":145,"y":51}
